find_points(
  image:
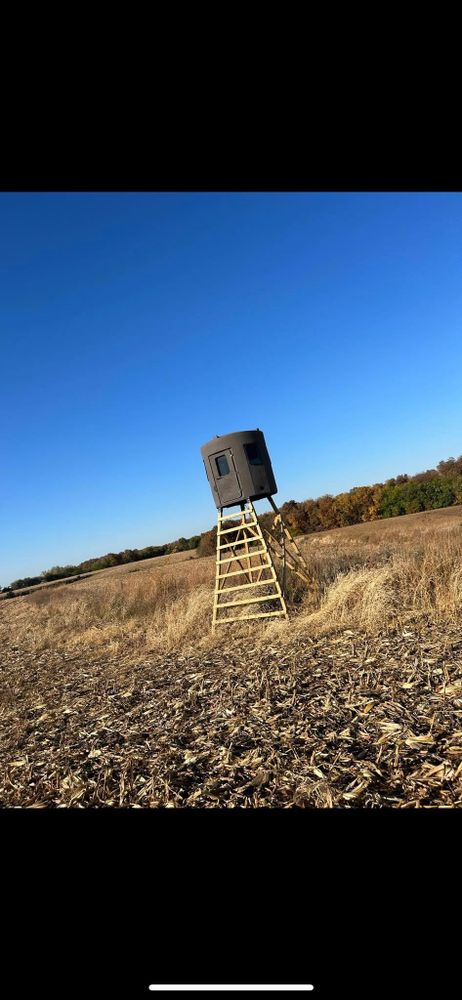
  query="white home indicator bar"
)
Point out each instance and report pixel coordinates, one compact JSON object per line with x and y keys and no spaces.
{"x":237,"y":988}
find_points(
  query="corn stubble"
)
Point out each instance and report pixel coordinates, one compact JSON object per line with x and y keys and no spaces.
{"x":115,"y":693}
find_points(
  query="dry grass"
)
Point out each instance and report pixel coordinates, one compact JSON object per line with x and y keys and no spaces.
{"x":360,"y":579}
{"x":114,"y":691}
{"x":125,"y":612}
{"x":389,"y":585}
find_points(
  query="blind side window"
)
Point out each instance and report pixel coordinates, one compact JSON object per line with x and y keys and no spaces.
{"x":253,"y":454}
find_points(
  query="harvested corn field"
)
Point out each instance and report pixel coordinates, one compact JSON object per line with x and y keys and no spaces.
{"x":114,"y":693}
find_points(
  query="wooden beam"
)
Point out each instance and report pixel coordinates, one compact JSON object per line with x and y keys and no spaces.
{"x":237,"y":527}
{"x":243,"y":586}
{"x":241,"y":572}
{"x":246,"y":618}
{"x":233,"y":558}
{"x":248,"y":600}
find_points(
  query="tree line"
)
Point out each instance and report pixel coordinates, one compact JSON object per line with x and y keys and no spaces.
{"x":435,"y":488}
{"x":440,"y":487}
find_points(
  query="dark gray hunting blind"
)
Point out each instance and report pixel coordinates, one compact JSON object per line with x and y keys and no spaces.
{"x":238,"y":468}
{"x":239,"y":472}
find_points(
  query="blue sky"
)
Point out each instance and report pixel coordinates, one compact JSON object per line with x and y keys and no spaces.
{"x":129,"y":321}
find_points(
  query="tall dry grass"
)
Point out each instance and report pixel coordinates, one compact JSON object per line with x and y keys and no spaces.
{"x":360,"y":581}
{"x":142,"y":612}
{"x":410,"y":576}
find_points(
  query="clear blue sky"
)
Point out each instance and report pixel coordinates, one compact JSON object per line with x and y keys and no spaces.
{"x":331,"y":321}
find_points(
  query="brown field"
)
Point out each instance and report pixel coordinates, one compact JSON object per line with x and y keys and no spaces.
{"x":114,"y":692}
{"x":126,"y":568}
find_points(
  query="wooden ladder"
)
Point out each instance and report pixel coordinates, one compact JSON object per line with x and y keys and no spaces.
{"x":242,"y":543}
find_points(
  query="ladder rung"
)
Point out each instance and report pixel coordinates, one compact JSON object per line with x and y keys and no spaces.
{"x":240,"y":541}
{"x":247,"y":618}
{"x":237,"y":513}
{"x":243,"y":572}
{"x":243,"y":555}
{"x":250,"y":600}
{"x":242,"y":586}
{"x":238,"y":527}
{"x":245,"y":569}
